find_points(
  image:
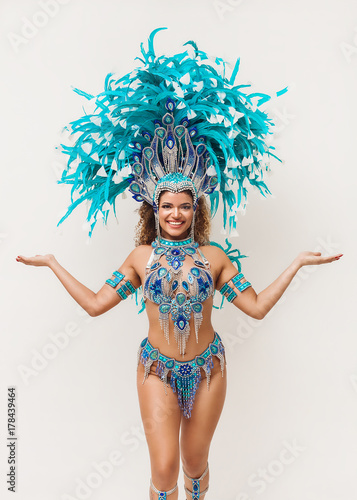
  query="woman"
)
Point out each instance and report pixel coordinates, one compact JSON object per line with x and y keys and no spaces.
{"x":185,"y":130}
{"x":162,"y":427}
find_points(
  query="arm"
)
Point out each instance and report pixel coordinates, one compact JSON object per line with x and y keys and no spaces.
{"x":258,"y":305}
{"x":93,"y":303}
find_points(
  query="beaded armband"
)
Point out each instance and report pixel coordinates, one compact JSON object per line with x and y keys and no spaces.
{"x":229,"y":292}
{"x":125,"y":289}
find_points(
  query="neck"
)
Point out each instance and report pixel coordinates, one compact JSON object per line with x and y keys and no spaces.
{"x":169,"y":242}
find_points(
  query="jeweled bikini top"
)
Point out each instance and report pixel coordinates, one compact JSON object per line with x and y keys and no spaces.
{"x":181,"y":296}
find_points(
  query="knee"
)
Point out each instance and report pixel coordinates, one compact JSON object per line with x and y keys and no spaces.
{"x":194,"y":464}
{"x":164,"y":473}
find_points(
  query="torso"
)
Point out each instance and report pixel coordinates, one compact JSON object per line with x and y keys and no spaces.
{"x":182,"y":304}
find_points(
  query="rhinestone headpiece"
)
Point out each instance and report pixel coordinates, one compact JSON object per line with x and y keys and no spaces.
{"x":171,"y":162}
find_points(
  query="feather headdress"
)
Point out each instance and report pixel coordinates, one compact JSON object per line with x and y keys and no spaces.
{"x":214,"y":109}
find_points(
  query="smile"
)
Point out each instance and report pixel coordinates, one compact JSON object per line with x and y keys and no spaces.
{"x":176,"y":224}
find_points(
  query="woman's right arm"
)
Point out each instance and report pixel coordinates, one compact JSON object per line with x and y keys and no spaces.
{"x":93,"y":303}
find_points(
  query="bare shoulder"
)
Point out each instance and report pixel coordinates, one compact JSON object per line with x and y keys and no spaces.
{"x":214,"y":253}
{"x":215,"y":256}
{"x":139,"y":256}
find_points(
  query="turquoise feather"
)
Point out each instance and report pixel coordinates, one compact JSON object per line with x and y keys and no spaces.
{"x":223,"y":111}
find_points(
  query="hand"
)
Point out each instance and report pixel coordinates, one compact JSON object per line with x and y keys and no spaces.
{"x":37,"y":260}
{"x":315,"y":258}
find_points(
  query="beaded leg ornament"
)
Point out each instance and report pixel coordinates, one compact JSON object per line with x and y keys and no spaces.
{"x":162,"y":495}
{"x":195,"y":493}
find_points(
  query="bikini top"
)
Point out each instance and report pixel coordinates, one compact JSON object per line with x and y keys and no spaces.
{"x":176,"y":294}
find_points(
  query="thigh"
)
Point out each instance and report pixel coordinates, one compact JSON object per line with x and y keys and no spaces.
{"x":161,"y":418}
{"x":197,"y":432}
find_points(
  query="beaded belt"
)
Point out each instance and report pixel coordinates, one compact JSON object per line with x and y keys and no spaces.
{"x":185,"y":376}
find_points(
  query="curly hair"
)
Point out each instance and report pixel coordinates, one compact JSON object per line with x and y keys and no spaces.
{"x":145,"y":230}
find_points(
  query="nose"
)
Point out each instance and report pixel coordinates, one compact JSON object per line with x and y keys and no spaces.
{"x":176,"y":212}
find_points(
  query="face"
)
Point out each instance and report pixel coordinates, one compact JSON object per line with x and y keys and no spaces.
{"x":175,"y":215}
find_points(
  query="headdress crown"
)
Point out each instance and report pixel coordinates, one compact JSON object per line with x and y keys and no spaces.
{"x":171,"y":162}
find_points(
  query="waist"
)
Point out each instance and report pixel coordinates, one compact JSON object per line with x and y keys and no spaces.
{"x":147,"y":350}
{"x":169,"y":343}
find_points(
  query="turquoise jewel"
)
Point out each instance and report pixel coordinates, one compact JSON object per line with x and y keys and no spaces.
{"x":137,"y":168}
{"x":168,"y":119}
{"x":170,"y":364}
{"x":164,"y":308}
{"x":148,"y":153}
{"x":135,"y":187}
{"x":195,"y":272}
{"x":162,"y":272}
{"x":185,"y":286}
{"x":214,"y":349}
{"x":181,"y":324}
{"x":170,"y":142}
{"x":159,"y":250}
{"x":180,"y":131}
{"x":197,"y":307}
{"x":154,"y":354}
{"x":180,"y":298}
{"x":170,"y":104}
{"x":200,"y":361}
{"x":160,"y":132}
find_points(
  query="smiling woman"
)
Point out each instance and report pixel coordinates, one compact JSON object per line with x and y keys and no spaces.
{"x":175,"y":214}
{"x":179,"y":152}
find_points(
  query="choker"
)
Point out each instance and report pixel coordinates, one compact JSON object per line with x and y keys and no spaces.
{"x":171,"y":243}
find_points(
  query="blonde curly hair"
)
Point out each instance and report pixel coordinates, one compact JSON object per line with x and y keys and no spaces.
{"x":145,"y":230}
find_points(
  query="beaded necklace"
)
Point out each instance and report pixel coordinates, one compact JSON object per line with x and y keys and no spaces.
{"x":181,"y":297}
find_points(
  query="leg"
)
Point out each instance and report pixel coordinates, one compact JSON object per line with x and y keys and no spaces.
{"x":197,"y":432}
{"x":161,"y":418}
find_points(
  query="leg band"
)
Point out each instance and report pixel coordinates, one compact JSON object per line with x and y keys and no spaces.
{"x":163,"y":494}
{"x":195,"y":493}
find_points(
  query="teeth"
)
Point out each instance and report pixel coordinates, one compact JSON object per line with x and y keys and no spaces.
{"x":176,"y":223}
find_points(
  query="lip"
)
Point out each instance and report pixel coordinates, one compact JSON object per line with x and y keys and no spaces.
{"x":175,"y":223}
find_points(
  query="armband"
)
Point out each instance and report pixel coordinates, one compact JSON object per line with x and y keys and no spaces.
{"x":125,"y":289}
{"x":229,"y":292}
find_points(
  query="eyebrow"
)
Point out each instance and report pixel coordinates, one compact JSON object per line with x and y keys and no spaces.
{"x":168,"y":203}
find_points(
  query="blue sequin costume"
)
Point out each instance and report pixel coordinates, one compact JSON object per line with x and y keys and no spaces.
{"x":179,"y":296}
{"x":182,"y":297}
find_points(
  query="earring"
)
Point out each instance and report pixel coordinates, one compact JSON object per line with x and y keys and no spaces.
{"x":192,"y":232}
{"x":157,"y":226}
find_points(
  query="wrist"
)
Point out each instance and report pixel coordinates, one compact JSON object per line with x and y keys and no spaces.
{"x":51,"y":261}
{"x":297,"y":264}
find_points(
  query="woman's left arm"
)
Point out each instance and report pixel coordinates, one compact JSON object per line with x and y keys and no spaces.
{"x":258,"y":305}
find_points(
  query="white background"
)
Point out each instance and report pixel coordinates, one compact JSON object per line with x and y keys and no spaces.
{"x":292,"y":376}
